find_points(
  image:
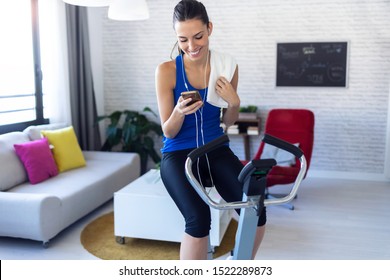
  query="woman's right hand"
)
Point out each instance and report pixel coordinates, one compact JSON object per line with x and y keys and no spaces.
{"x":185,"y":109}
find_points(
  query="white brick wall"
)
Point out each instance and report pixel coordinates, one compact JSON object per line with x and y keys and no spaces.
{"x":351,"y":123}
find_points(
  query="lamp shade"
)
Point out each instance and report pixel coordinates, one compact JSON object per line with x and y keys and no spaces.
{"x":89,"y":3}
{"x":128,"y":10}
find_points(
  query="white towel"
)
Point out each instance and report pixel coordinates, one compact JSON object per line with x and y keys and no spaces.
{"x":220,"y":65}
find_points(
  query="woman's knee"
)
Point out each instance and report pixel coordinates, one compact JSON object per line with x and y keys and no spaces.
{"x":198,"y":225}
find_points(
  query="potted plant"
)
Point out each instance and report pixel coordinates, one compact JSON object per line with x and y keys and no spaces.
{"x":131,"y":131}
{"x":248,"y":112}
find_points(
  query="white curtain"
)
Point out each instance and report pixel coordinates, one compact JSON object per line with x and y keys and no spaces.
{"x":54,"y":58}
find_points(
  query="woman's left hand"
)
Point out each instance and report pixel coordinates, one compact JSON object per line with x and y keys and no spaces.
{"x":226,"y":91}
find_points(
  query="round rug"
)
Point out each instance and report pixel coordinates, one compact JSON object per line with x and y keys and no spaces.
{"x":98,"y":238}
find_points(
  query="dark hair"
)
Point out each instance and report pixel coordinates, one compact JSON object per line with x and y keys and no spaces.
{"x":190,"y":9}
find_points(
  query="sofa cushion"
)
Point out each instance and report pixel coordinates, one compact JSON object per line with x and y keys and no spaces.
{"x":37,"y":160}
{"x":34,"y":131}
{"x":67,"y":152}
{"x":12,"y":171}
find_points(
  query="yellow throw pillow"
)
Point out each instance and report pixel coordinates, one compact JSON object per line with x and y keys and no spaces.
{"x":67,"y":152}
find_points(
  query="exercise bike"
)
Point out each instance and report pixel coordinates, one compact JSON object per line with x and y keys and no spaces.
{"x":253,"y":177}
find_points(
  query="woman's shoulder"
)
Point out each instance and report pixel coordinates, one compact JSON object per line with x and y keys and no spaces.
{"x":167,"y":65}
{"x":166,"y":73}
{"x":166,"y":68}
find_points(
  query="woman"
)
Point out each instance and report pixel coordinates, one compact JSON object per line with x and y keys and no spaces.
{"x":187,"y":127}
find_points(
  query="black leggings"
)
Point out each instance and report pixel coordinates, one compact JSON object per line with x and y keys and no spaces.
{"x":225,"y":168}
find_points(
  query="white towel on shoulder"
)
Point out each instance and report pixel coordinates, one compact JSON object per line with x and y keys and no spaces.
{"x":220,"y":65}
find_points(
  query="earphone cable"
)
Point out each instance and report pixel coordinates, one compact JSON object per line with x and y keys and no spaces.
{"x":201,"y":118}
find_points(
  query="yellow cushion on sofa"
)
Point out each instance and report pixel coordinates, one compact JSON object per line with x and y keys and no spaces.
{"x":67,"y":152}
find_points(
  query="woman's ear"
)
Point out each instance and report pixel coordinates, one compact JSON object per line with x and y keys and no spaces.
{"x":210,"y":28}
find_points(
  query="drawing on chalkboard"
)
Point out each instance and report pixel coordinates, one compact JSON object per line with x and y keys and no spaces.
{"x":319,"y":64}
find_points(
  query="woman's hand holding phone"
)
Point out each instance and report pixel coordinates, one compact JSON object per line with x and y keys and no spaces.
{"x":193,"y":94}
{"x":189,"y":102}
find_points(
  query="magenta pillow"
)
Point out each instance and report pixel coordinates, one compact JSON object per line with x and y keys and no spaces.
{"x":37,"y":160}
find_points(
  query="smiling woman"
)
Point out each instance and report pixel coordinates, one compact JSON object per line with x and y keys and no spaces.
{"x":187,"y":127}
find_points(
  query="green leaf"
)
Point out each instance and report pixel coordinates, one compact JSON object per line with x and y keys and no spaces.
{"x":115,"y":117}
{"x":147,"y":109}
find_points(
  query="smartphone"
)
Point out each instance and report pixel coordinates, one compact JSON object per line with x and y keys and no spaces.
{"x":194,"y":94}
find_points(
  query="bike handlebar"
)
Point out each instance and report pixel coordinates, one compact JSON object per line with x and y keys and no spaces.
{"x":251,"y":202}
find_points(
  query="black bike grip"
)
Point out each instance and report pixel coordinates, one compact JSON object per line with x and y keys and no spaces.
{"x":279,"y":143}
{"x":198,"y":152}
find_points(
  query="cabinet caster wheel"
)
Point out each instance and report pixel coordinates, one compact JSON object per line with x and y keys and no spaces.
{"x":212,"y":249}
{"x":45,"y":244}
{"x":120,"y":240}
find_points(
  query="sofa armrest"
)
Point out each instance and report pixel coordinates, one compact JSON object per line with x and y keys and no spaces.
{"x":29,"y":215}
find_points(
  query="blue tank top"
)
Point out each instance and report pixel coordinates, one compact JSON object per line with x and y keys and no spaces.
{"x":204,"y":124}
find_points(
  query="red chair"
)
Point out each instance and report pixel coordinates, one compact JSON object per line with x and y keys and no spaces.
{"x":295,"y":126}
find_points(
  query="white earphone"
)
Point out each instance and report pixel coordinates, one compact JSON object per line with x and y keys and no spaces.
{"x":201,"y":118}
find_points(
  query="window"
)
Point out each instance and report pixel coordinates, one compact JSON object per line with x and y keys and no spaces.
{"x":21,"y":96}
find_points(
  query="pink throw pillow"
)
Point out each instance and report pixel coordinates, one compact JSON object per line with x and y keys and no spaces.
{"x":37,"y":160}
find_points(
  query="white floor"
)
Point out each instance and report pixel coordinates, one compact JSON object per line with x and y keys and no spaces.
{"x":333,"y":220}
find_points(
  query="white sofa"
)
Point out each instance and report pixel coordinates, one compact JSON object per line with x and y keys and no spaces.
{"x":40,"y":211}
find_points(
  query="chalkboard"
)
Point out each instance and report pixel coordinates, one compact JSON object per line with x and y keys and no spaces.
{"x":312,"y":64}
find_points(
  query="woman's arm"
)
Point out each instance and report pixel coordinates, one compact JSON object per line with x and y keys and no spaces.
{"x":171,"y":116}
{"x":228,"y":91}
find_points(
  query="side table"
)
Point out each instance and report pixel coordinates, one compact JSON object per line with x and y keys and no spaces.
{"x":144,"y":209}
{"x":246,"y":127}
